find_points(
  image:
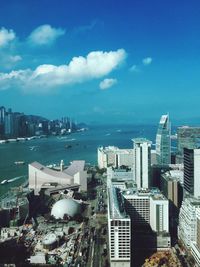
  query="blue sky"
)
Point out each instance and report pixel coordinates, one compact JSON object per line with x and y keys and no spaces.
{"x":101,"y":61}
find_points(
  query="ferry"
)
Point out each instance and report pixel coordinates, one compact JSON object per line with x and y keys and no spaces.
{"x":19,"y":162}
{"x":4,"y":182}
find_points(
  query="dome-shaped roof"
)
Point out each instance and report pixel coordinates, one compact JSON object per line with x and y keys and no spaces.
{"x":65,"y":206}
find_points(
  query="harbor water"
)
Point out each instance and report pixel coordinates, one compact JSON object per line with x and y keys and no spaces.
{"x":76,"y":146}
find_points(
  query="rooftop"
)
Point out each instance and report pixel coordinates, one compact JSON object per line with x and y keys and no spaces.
{"x":116,"y":204}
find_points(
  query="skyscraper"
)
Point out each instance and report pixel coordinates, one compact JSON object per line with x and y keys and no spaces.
{"x":186,"y":137}
{"x":163,"y":141}
{"x":192,"y":171}
{"x":142,"y":162}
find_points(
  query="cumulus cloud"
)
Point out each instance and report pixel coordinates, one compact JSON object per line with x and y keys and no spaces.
{"x":80,"y":69}
{"x":45,"y":35}
{"x":6,"y":36}
{"x":107,"y":83}
{"x":147,"y":61}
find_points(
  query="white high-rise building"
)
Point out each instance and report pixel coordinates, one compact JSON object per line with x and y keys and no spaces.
{"x":187,"y":221}
{"x":142,"y":162}
{"x":159,"y":213}
{"x":195,"y":246}
{"x":119,"y":229}
{"x":148,"y":207}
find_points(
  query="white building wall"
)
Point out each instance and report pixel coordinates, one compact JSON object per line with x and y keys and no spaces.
{"x":81,"y":179}
{"x":159,"y":214}
{"x":187,"y":221}
{"x":145,"y":166}
{"x":119,"y":241}
{"x":142,"y":162}
{"x":196,"y":173}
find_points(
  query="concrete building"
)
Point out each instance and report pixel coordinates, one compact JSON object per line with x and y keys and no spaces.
{"x":172,"y":187}
{"x":138,"y":206}
{"x":114,"y":156}
{"x":195,"y":246}
{"x":119,"y":230}
{"x":72,"y":177}
{"x":148,"y":207}
{"x":142,"y":162}
{"x":125,"y":174}
{"x":187,"y":221}
{"x":186,"y":137}
{"x":163,"y":141}
{"x":159,"y":213}
{"x":14,"y":209}
{"x":192,"y":171}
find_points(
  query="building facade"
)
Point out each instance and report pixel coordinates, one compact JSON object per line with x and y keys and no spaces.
{"x":163,"y":141}
{"x":142,"y":162}
{"x":119,"y":230}
{"x":192,"y":171}
{"x":114,"y":156}
{"x":187,"y":137}
{"x":187,"y":221}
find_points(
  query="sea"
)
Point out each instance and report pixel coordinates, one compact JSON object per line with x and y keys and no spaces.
{"x":76,"y":146}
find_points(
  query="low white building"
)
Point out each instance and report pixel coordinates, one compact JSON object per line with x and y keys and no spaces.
{"x":40,"y":176}
{"x":114,"y":156}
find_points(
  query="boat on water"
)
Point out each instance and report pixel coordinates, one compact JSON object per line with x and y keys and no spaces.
{"x":4,"y":182}
{"x":19,"y":162}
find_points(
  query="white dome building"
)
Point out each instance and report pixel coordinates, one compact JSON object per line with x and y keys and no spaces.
{"x":66,"y":206}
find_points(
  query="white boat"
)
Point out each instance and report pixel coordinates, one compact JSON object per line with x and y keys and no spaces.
{"x":19,"y":162}
{"x":4,"y":182}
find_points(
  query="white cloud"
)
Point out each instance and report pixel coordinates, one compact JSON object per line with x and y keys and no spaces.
{"x":96,"y":64}
{"x":15,"y":58}
{"x":107,"y":83}
{"x":134,"y":68}
{"x":45,"y":35}
{"x":147,"y":61}
{"x":6,"y":36}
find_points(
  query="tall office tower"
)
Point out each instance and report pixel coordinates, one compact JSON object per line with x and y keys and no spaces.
{"x":163,"y":141}
{"x":119,"y":229}
{"x":186,"y":137}
{"x":2,"y":120}
{"x":195,"y":246}
{"x":187,"y":221}
{"x":9,"y":123}
{"x":142,"y":162}
{"x":192,"y":171}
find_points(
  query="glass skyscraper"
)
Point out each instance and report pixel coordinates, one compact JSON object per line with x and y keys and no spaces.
{"x":163,"y":141}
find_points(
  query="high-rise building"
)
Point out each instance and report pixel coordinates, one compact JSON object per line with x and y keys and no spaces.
{"x":119,"y":229}
{"x":148,"y":207}
{"x":195,"y":246}
{"x":142,"y":162}
{"x":172,"y":187}
{"x":186,"y":137}
{"x":9,"y":123}
{"x":187,"y":221}
{"x":163,"y":141}
{"x":192,"y":171}
{"x":2,"y":120}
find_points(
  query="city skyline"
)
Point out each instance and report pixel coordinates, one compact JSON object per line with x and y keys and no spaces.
{"x":127,"y":63}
